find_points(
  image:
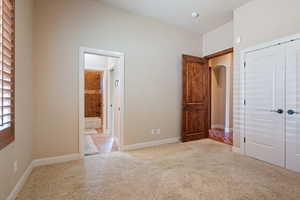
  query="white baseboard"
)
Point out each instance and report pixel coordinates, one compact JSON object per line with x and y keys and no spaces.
{"x":70,"y":157}
{"x":150,"y":144}
{"x":54,"y":160}
{"x":20,"y":184}
{"x":236,"y":150}
{"x":228,"y":129}
{"x":218,"y":126}
{"x":117,"y":141}
{"x":37,"y":163}
{"x":107,"y":132}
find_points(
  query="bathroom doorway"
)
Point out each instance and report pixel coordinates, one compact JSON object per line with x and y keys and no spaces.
{"x":100,"y":101}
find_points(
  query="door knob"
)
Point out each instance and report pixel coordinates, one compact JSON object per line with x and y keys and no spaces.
{"x":279,"y":111}
{"x":291,"y":112}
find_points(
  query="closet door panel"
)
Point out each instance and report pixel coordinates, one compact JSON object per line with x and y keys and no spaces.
{"x":264,"y":95}
{"x":293,"y":106}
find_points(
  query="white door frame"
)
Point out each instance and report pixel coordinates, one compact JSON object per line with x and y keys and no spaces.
{"x":241,"y":106}
{"x":105,"y":101}
{"x":121,"y":56}
{"x":109,"y":103}
{"x":228,"y":96}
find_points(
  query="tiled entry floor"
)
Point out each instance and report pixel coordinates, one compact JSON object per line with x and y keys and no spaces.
{"x":105,"y":144}
{"x":221,"y":136}
{"x":97,"y":142}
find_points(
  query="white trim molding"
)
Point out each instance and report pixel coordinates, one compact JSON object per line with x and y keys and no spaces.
{"x":18,"y":187}
{"x":236,"y":150}
{"x":228,"y":130}
{"x":38,"y":163}
{"x":121,"y":56}
{"x":150,"y":144}
{"x":241,"y":91}
{"x":218,"y":126}
{"x":271,"y":43}
{"x":55,"y":160}
{"x":71,"y":157}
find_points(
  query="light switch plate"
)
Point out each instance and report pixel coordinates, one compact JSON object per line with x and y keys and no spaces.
{"x":15,"y":166}
{"x":238,"y":40}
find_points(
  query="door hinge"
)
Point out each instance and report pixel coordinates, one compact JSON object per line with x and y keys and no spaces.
{"x":244,"y":140}
{"x":244,"y":64}
{"x":244,"y":101}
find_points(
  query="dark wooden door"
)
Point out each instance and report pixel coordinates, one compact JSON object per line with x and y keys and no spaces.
{"x":196,"y":98}
{"x":93,"y":93}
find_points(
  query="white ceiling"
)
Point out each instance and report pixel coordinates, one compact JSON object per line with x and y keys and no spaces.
{"x":213,"y":13}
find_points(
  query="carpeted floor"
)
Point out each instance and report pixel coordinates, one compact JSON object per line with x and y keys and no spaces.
{"x":203,"y":170}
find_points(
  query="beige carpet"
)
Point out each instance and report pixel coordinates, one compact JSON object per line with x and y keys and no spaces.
{"x":203,"y":170}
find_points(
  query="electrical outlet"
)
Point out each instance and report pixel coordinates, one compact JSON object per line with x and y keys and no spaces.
{"x":15,"y":166}
{"x":155,"y":131}
{"x":238,"y":40}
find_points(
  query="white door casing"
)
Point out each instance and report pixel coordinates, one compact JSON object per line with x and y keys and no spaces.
{"x":121,"y":56}
{"x":264,"y":95}
{"x":109,"y":103}
{"x":293,"y":106}
{"x":291,"y":84}
{"x":117,"y":105}
{"x":104,"y":101}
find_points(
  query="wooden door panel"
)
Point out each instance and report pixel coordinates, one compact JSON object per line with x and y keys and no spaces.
{"x":93,"y":93}
{"x":193,"y":121}
{"x":195,"y":116}
{"x":196,"y":83}
{"x":93,"y":105}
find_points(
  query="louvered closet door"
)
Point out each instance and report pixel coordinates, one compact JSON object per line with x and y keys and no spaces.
{"x":293,"y":106}
{"x":264,"y":95}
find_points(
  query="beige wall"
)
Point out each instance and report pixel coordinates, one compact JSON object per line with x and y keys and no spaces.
{"x":21,"y":149}
{"x":222,"y":82}
{"x":257,"y":22}
{"x":152,"y":70}
{"x":218,"y":96}
{"x":219,"y":39}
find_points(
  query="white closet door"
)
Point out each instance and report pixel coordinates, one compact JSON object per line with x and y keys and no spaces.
{"x":293,"y":106}
{"x":264,"y":95}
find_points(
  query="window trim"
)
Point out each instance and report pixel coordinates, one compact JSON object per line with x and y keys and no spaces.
{"x":7,"y":135}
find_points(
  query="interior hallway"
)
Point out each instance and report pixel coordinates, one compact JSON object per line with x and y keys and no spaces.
{"x":201,"y":170}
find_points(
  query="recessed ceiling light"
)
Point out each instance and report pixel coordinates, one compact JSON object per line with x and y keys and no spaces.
{"x":195,"y":14}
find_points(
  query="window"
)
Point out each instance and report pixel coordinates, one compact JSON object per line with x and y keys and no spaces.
{"x":7,"y":71}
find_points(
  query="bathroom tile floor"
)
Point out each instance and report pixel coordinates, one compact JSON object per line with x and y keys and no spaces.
{"x":104,"y":143}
